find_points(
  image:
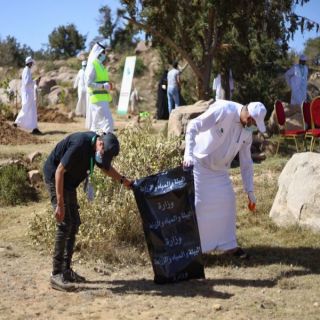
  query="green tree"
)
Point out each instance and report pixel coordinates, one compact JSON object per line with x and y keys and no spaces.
{"x":110,"y":29}
{"x":312,"y":50}
{"x":66,"y":41}
{"x":12,"y":53}
{"x":206,"y":31}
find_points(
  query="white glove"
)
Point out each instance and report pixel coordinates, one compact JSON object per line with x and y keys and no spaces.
{"x":252,"y":197}
{"x":107,"y":86}
{"x":188,"y":161}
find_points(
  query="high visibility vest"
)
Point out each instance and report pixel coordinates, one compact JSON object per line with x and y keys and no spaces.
{"x":102,"y":76}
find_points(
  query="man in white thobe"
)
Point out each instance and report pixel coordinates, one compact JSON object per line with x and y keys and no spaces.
{"x":98,"y":115}
{"x":212,"y":141}
{"x":297,"y":79}
{"x":27,"y":117}
{"x":218,"y":88}
{"x":80,"y":83}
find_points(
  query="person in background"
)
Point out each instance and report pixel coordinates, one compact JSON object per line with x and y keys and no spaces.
{"x":162,"y":99}
{"x":71,"y":162}
{"x":212,"y":141}
{"x":219,"y":88}
{"x":27,"y":118}
{"x":173,"y":87}
{"x":297,"y":79}
{"x":134,"y":100}
{"x":98,"y":116}
{"x":80,"y":83}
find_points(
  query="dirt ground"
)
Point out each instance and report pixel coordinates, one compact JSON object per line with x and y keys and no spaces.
{"x":10,"y":135}
{"x":261,"y":288}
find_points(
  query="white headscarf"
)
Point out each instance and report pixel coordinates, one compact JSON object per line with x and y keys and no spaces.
{"x":94,"y":54}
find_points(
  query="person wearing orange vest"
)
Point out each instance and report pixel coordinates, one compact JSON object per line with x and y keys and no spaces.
{"x":98,"y":116}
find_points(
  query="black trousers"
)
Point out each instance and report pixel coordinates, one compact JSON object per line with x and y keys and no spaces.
{"x":66,"y":230}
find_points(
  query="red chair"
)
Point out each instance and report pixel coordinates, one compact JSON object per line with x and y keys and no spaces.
{"x":315,"y":121}
{"x":285,"y":134}
{"x":307,"y":121}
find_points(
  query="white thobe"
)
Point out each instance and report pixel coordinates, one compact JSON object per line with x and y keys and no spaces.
{"x":213,"y":139}
{"x":98,"y":115}
{"x":27,"y":117}
{"x":297,"y":79}
{"x":217,"y":86}
{"x":80,"y":83}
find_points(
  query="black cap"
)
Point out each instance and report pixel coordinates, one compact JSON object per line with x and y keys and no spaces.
{"x":111,"y":149}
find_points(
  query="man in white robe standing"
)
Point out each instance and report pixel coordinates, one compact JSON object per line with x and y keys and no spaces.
{"x":297,"y":79}
{"x":212,"y":141}
{"x":220,"y":91}
{"x":27,"y":118}
{"x":80,"y":83}
{"x":98,"y":116}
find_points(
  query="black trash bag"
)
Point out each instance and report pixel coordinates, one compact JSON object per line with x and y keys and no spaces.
{"x":166,"y":205}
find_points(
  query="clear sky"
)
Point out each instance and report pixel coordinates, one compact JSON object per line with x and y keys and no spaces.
{"x":31,"y":21}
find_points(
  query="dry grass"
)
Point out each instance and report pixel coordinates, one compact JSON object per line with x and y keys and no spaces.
{"x":279,"y":281}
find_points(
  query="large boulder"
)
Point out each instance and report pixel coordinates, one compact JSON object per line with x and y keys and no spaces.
{"x":180,"y":117}
{"x":57,"y":95}
{"x":142,"y":46}
{"x":46,"y":83}
{"x":294,"y":120}
{"x":15,"y":85}
{"x":4,"y":96}
{"x":298,"y":197}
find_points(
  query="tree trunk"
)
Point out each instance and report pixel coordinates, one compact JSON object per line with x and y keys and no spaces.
{"x":204,"y":84}
{"x":225,"y":82}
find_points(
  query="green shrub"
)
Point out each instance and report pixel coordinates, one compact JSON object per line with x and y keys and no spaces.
{"x":6,"y":111}
{"x":138,"y":69}
{"x":111,"y":225}
{"x":49,"y":66}
{"x":14,"y":186}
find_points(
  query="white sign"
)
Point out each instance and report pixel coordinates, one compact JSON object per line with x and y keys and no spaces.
{"x":126,"y":84}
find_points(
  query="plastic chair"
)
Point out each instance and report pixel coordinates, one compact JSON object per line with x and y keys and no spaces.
{"x":285,"y":134}
{"x":307,"y":121}
{"x":315,"y":121}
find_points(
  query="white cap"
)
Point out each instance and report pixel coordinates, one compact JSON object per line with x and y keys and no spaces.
{"x":258,"y":111}
{"x":84,"y":63}
{"x":29,"y":60}
{"x":302,"y":57}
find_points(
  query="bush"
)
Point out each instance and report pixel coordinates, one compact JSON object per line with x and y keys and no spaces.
{"x":111,"y":225}
{"x":14,"y":186}
{"x":138,"y":69}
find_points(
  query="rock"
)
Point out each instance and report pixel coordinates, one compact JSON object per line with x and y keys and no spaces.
{"x":141,"y":47}
{"x":67,"y":76}
{"x":34,"y":177}
{"x":8,"y":162}
{"x":46,"y":83}
{"x":298,"y":197}
{"x":257,"y":157}
{"x":269,"y":147}
{"x":15,"y":85}
{"x":57,"y":95}
{"x":217,"y":307}
{"x":32,"y":156}
{"x":4,"y":96}
{"x":294,"y":119}
{"x":180,"y":117}
{"x":315,"y":76}
{"x":71,"y":115}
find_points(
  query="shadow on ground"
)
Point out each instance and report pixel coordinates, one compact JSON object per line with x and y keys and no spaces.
{"x":304,"y":257}
{"x":50,"y":133}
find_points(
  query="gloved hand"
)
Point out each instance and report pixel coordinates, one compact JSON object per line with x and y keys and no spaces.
{"x":188,"y":161}
{"x":252,"y":201}
{"x":107,"y":86}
